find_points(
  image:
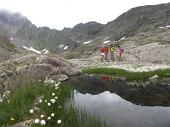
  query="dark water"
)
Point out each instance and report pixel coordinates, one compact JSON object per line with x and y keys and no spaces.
{"x":121,"y":105}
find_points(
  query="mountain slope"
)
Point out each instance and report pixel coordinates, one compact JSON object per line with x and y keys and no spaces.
{"x":139,"y":19}
{"x":85,"y":39}
{"x":6,"y":48}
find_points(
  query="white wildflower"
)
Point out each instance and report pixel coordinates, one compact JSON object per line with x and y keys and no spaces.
{"x":42,"y":116}
{"x":53,"y":100}
{"x":40,"y":101}
{"x":8,"y":91}
{"x":49,"y":81}
{"x":57,"y":84}
{"x":49,"y":118}
{"x":53,"y":94}
{"x":31,"y":111}
{"x":56,"y":97}
{"x":45,"y":101}
{"x":59,"y":106}
{"x":59,"y":121}
{"x":49,"y":104}
{"x":42,"y":122}
{"x":36,"y":121}
{"x":52,"y":114}
{"x":56,"y":88}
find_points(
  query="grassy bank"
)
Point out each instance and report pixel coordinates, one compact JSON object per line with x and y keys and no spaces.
{"x":131,"y":76}
{"x":41,"y":102}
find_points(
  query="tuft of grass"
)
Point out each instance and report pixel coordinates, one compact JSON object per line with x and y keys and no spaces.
{"x":72,"y":54}
{"x":131,"y":76}
{"x":25,"y":98}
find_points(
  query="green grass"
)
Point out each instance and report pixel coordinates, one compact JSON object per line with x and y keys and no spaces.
{"x":23,"y":99}
{"x":72,"y":54}
{"x":131,"y":76}
{"x":4,"y":43}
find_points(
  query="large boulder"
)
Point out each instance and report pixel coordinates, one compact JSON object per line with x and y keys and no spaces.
{"x":34,"y":67}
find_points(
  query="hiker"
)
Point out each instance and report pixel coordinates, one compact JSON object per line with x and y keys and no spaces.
{"x":102,"y":53}
{"x":112,"y":49}
{"x":119,"y":52}
{"x":106,"y":50}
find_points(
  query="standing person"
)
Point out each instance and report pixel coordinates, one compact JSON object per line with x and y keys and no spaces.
{"x":112,"y":49}
{"x":119,"y":51}
{"x":102,"y":53}
{"x":106,"y":50}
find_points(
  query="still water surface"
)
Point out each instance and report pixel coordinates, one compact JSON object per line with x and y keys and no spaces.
{"x":102,"y":99}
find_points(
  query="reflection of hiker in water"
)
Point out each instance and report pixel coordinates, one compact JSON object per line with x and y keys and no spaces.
{"x":119,"y":52}
{"x":112,"y":49}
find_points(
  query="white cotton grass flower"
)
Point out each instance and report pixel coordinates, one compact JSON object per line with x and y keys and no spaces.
{"x":42,"y":116}
{"x":56,"y":88}
{"x":57,"y":84}
{"x":45,"y":101}
{"x":53,"y":94}
{"x":53,"y":101}
{"x":49,"y":81}
{"x":49,"y":104}
{"x":31,"y":111}
{"x":59,"y":121}
{"x":1,"y":100}
{"x":42,"y":122}
{"x":56,"y":97}
{"x":49,"y":118}
{"x":8,"y":91}
{"x":52,"y":114}
{"x":40,"y":101}
{"x":59,"y":106}
{"x":36,"y":121}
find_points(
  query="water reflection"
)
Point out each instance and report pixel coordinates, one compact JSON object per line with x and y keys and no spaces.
{"x":152,"y":95}
{"x":118,"y":112}
{"x":121,"y":105}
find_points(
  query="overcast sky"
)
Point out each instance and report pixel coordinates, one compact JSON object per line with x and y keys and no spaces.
{"x":67,"y":13}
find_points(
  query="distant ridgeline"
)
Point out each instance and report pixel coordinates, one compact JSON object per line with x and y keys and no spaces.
{"x":132,"y":23}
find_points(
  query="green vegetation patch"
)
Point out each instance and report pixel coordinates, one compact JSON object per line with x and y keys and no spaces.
{"x":37,"y":101}
{"x":131,"y":76}
{"x":4,"y":43}
{"x":72,"y":54}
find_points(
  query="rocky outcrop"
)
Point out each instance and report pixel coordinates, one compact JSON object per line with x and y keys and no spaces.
{"x":34,"y":67}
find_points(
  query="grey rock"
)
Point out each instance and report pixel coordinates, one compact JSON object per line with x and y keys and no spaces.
{"x":33,"y":67}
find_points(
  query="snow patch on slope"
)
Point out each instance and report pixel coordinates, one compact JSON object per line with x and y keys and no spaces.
{"x":105,"y":42}
{"x":65,"y":47}
{"x":44,"y":51}
{"x":87,"y":42}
